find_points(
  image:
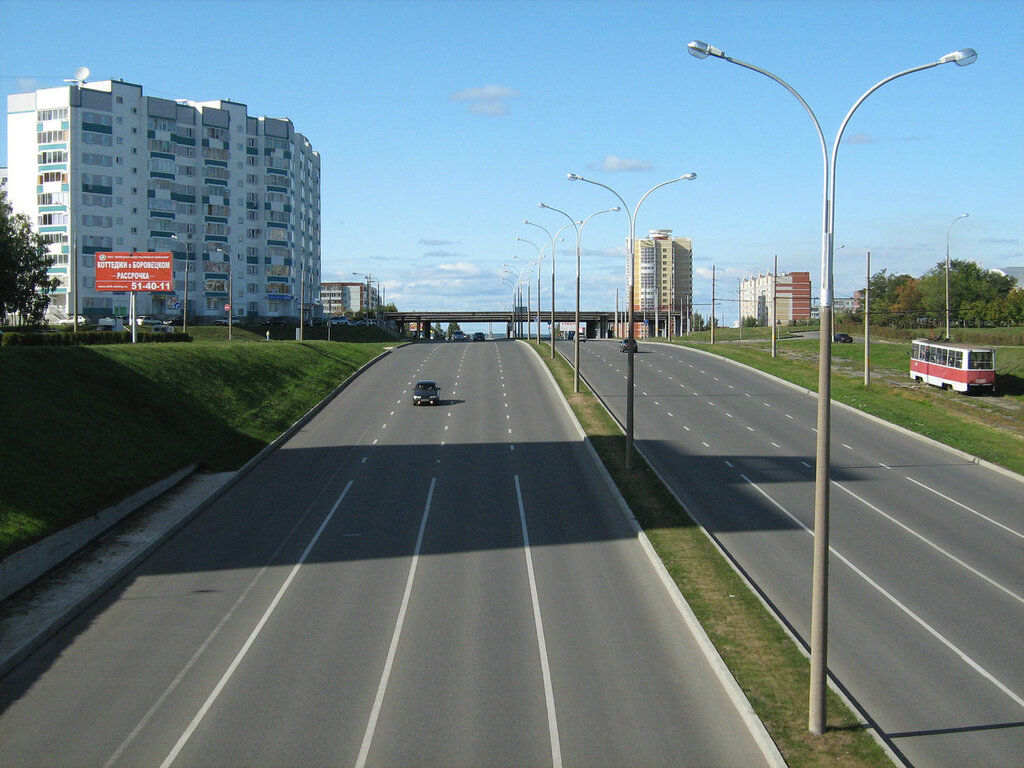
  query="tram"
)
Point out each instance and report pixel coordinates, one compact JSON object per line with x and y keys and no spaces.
{"x":961,"y":367}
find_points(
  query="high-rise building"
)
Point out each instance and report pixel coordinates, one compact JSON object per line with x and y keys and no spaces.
{"x":792,"y":297}
{"x":339,"y":298}
{"x":102,"y":167}
{"x":663,"y":268}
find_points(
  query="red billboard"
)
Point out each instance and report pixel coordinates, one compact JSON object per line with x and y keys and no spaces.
{"x":134,"y":272}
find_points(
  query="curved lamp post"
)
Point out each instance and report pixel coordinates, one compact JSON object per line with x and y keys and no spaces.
{"x":554,"y":238}
{"x":632,"y":292}
{"x":540,"y":257}
{"x":954,"y":221}
{"x":579,"y":225}
{"x":526,"y":272}
{"x":819,"y":587}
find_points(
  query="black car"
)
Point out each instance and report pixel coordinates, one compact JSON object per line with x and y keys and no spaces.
{"x":272,"y":321}
{"x":625,"y":344}
{"x":426,"y":392}
{"x":842,"y":338}
{"x":479,"y":336}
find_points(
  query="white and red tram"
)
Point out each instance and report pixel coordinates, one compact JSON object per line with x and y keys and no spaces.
{"x":962,"y":367}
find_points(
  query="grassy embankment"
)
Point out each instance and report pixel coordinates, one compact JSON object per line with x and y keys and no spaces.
{"x":991,"y":428}
{"x":771,"y":670}
{"x":85,"y":427}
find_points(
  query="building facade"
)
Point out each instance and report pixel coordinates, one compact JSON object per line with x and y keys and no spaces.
{"x":236,"y":199}
{"x":792,"y":298}
{"x":663,"y":271}
{"x":339,"y":298}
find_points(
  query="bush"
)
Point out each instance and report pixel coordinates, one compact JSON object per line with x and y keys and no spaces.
{"x":86,"y":338}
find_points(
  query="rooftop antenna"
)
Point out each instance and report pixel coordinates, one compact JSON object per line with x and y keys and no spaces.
{"x":80,"y":75}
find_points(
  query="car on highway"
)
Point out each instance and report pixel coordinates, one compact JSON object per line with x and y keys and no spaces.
{"x":426,"y":391}
{"x":842,"y":338}
{"x":479,"y":336}
{"x":458,"y":336}
{"x":625,"y":344}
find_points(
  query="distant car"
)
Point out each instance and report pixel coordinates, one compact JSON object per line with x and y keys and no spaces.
{"x":458,"y":336}
{"x":173,"y":321}
{"x":221,"y":321}
{"x":426,"y":392}
{"x":842,"y":338}
{"x":339,"y":321}
{"x":272,"y":321}
{"x":625,"y":344}
{"x":479,"y":336}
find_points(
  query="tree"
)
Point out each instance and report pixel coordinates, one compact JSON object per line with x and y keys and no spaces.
{"x":907,"y":304}
{"x":969,"y":285}
{"x":452,"y":328}
{"x":24,"y":261}
{"x":750,"y":322}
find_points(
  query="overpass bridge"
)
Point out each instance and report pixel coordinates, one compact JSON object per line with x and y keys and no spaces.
{"x":600,"y":323}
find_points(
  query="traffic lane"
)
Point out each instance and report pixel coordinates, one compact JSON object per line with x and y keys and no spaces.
{"x":984,"y":699}
{"x":976,"y":610}
{"x":127,"y":648}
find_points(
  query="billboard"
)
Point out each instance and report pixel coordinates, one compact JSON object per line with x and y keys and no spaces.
{"x":134,"y":272}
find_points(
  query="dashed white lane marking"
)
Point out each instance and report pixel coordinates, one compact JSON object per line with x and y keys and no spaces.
{"x":686,"y":428}
{"x":776,"y":445}
{"x":727,"y":463}
{"x":729,"y":415}
{"x":183,"y":739}
{"x":549,"y":694}
{"x":891,"y":598}
{"x":386,"y":674}
{"x":750,"y":429}
{"x":374,"y":441}
{"x":363,"y":461}
{"x":788,"y":416}
{"x":704,"y":444}
{"x":849,"y":447}
{"x":887,"y":467}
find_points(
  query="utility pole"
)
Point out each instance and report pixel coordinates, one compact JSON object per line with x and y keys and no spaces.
{"x":867,"y":322}
{"x":775,"y":283}
{"x":712,"y":303}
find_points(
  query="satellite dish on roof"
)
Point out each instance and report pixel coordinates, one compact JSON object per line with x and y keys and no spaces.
{"x":81,"y":73}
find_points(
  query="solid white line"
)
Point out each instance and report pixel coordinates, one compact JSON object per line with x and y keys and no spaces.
{"x":386,"y":674}
{"x":964,"y":506}
{"x":252,"y":638}
{"x":549,"y":694}
{"x":891,"y":598}
{"x":931,"y":544}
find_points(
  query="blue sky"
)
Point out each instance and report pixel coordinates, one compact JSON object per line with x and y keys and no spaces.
{"x":441,"y":125}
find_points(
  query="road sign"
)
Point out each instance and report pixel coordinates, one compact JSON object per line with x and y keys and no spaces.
{"x":134,"y":272}
{"x":227,"y":307}
{"x":176,"y":305}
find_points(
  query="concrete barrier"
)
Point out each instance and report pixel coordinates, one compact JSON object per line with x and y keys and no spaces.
{"x":26,"y":565}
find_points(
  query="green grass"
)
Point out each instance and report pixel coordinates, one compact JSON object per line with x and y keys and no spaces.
{"x":85,"y":427}
{"x":768,"y":666}
{"x":986,"y":427}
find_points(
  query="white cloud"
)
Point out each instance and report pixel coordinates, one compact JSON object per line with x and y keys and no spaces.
{"x":488,"y":100}
{"x":437,"y":243}
{"x":613,"y":164}
{"x":860,"y":138}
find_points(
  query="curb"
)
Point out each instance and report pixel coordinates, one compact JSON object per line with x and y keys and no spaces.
{"x":59,"y":622}
{"x":755,"y":726}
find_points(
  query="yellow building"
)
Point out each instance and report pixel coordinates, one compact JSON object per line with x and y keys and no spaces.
{"x":663,"y":270}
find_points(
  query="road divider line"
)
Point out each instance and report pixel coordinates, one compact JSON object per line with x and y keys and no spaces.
{"x":964,"y":506}
{"x":930,"y":543}
{"x":892,"y":599}
{"x":183,"y":739}
{"x":549,"y":694}
{"x":378,"y":701}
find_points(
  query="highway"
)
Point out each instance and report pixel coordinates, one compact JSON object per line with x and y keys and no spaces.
{"x":445,"y":585}
{"x":926,"y":615}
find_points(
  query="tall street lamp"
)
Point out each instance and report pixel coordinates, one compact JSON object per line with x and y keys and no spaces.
{"x":632,"y":293}
{"x":184,"y":304}
{"x":554,"y":238}
{"x":540,"y":257}
{"x":231,"y":298}
{"x":954,"y":221}
{"x":819,"y":586}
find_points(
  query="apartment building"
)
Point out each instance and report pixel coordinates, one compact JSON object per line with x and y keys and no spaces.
{"x":792,"y":297}
{"x":339,"y":298}
{"x":102,"y":167}
{"x":663,"y":272}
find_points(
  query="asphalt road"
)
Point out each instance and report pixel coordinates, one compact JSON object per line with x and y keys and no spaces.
{"x":446,"y":585}
{"x":926,"y":614}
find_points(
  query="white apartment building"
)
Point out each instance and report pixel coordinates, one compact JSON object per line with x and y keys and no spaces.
{"x":664,"y":278}
{"x":102,"y":167}
{"x":792,"y":291}
{"x":339,"y":298}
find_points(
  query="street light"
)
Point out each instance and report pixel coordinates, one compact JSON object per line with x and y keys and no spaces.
{"x":231,"y":290}
{"x":554,"y":238}
{"x":632,"y":292}
{"x":954,"y":221}
{"x":184,"y":305}
{"x":540,"y":257}
{"x":819,"y":586}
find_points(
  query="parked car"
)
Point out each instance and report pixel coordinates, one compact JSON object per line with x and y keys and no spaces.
{"x":220,"y":321}
{"x":479,"y":336}
{"x":625,"y":344}
{"x":339,"y":321}
{"x":426,"y":392}
{"x":842,"y":338}
{"x":273,"y":321}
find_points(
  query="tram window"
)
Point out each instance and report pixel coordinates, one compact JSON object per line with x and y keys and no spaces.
{"x":958,"y":359}
{"x":979,"y":361}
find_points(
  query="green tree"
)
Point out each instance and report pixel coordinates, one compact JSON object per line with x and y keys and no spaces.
{"x":885,"y":289}
{"x":24,"y":261}
{"x":969,"y":285}
{"x":452,"y":328}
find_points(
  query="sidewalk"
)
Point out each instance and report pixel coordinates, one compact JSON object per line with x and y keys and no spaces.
{"x":40,"y":610}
